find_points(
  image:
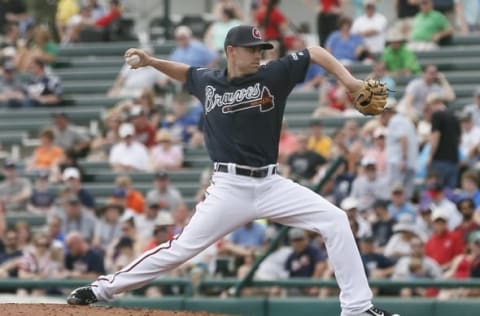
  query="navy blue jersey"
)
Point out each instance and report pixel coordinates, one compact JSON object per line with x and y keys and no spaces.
{"x":243,"y":116}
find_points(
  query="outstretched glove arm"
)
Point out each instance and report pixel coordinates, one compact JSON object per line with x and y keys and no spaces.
{"x":371,"y":98}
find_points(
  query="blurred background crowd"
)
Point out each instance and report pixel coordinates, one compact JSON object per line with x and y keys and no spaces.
{"x":407,"y":179}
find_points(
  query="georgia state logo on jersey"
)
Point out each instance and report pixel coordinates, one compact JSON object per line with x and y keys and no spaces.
{"x":241,"y":99}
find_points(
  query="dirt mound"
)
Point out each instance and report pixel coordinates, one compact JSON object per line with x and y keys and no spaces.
{"x":67,"y":310}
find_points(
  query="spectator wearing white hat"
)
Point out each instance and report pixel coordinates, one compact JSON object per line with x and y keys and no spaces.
{"x":403,"y":233}
{"x":128,"y":154}
{"x":416,"y":265}
{"x":372,"y":26}
{"x":368,"y":187}
{"x":166,"y":155}
{"x":443,"y":246}
{"x":401,"y":148}
{"x":72,"y":179}
{"x":351,"y":206}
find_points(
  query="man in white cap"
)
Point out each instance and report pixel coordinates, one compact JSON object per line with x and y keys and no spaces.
{"x":128,"y":154}
{"x":368,"y":187}
{"x":72,"y":179}
{"x":401,"y":149}
{"x":372,"y":26}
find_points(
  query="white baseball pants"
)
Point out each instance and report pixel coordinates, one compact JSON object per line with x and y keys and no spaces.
{"x":234,"y":200}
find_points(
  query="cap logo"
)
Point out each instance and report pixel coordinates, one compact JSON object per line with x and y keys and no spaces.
{"x":256,"y":33}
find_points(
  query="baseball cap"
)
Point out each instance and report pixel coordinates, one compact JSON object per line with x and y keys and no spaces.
{"x":119,"y":193}
{"x":296,"y":233}
{"x":245,"y":36}
{"x":9,"y":164}
{"x":380,"y":203}
{"x":379,"y":132}
{"x":59,"y":114}
{"x":136,"y":110}
{"x":8,"y":66}
{"x":369,"y":2}
{"x":161,"y":175}
{"x":368,"y":162}
{"x":126,"y":129}
{"x":164,"y":218}
{"x":398,"y":188}
{"x":70,"y":173}
{"x":349,"y":203}
{"x":42,"y":173}
{"x":73,"y":200}
{"x":439,"y":214}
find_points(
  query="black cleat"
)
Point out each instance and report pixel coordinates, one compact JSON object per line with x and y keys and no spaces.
{"x":375,"y":311}
{"x":82,"y":296}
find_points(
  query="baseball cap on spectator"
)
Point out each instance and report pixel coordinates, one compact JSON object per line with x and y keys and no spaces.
{"x":73,"y":200}
{"x":368,"y":162}
{"x":398,"y":188}
{"x":369,"y":2}
{"x":9,"y":164}
{"x":42,"y":173}
{"x":136,"y":110}
{"x":152,"y":202}
{"x":119,"y":193}
{"x":246,"y":36}
{"x":161,"y":175}
{"x":296,"y":234}
{"x":70,"y":173}
{"x":349,"y":203}
{"x":379,"y":132}
{"x":163,"y":135}
{"x":164,"y":218}
{"x":395,"y":35}
{"x":439,"y":214}
{"x":465,"y":116}
{"x":183,"y":31}
{"x":405,"y":224}
{"x":126,"y":129}
{"x":8,"y":67}
{"x":434,"y":97}
{"x":434,"y":189}
{"x":381,"y":203}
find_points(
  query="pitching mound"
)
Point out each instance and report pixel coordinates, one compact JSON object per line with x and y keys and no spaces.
{"x":67,"y":310}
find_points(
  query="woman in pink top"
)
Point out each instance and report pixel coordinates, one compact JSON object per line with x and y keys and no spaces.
{"x":166,"y":155}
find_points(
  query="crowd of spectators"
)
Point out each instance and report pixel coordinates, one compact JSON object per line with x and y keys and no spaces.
{"x":409,"y":179}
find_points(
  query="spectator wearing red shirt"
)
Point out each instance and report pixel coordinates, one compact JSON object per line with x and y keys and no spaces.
{"x":328,"y":14}
{"x":271,"y":20}
{"x":144,"y":132}
{"x":443,"y":246}
{"x":114,"y":13}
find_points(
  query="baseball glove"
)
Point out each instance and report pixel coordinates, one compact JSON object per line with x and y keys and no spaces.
{"x":371,"y":98}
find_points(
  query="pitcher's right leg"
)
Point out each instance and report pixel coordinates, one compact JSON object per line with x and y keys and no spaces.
{"x":228,"y":205}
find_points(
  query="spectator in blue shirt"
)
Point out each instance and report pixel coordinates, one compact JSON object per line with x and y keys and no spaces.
{"x":345,"y":46}
{"x":251,"y":235}
{"x":184,"y":120}
{"x":399,"y":205}
{"x":81,"y":261}
{"x":306,"y":260}
{"x":190,"y":51}
{"x":72,"y":179}
{"x":42,"y":89}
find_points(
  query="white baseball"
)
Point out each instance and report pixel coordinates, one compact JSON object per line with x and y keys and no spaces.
{"x":133,"y":60}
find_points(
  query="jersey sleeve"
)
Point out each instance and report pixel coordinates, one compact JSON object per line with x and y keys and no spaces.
{"x":197,"y":78}
{"x":292,"y":68}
